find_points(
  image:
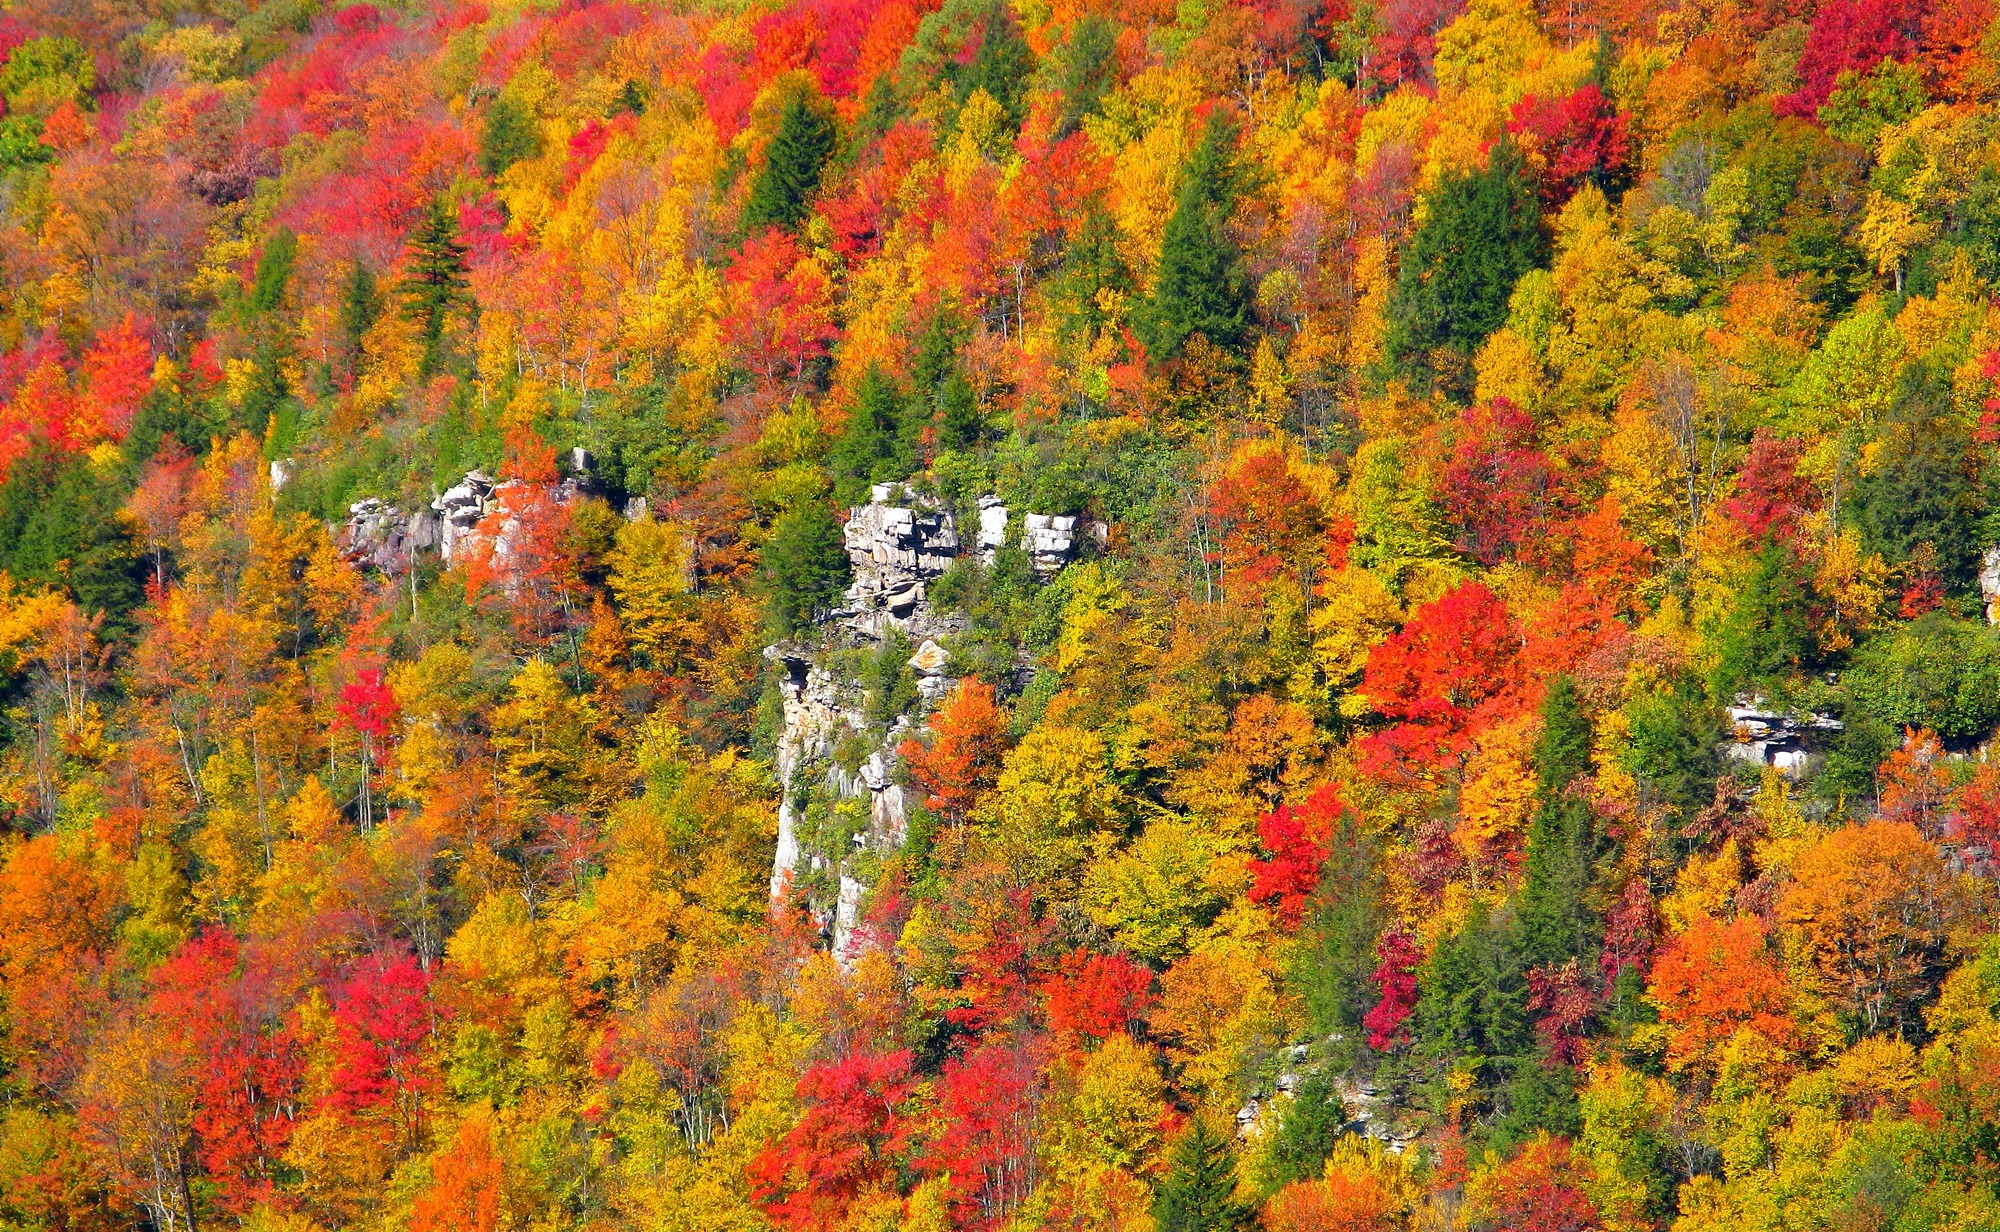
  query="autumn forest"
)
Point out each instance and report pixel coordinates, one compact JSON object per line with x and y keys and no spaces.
{"x":905,"y":615}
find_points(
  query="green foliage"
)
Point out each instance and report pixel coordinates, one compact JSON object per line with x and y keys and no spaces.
{"x":805,"y":568}
{"x":1202,"y":287}
{"x":1084,"y":68}
{"x":44,"y":72}
{"x":1539,"y":1098}
{"x":1196,"y":1195}
{"x":1674,"y":730}
{"x":1769,"y":633}
{"x":1336,"y":955}
{"x":509,"y":136}
{"x":1482,"y":232}
{"x":1554,"y":913}
{"x":887,"y":681}
{"x":783,"y":190}
{"x":360,"y":305}
{"x":434,"y":284}
{"x":1861,"y":105}
{"x":1917,"y":491}
{"x":274,"y":271}
{"x":1092,"y":269}
{"x":21,"y":142}
{"x":1000,"y":62}
{"x":60,"y":526}
{"x":1305,"y":1135}
{"x":878,"y":443}
{"x":1939,"y":673}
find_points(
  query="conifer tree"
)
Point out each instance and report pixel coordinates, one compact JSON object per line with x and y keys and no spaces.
{"x":274,"y":271}
{"x":805,"y":567}
{"x":1197,"y":1195}
{"x":1002,"y":65}
{"x":61,"y":527}
{"x":1554,"y":916}
{"x":1202,"y":288}
{"x":960,"y":423}
{"x":360,"y":305}
{"x":792,"y":166}
{"x":878,"y":442}
{"x":434,"y":282}
{"x":510,"y":136}
{"x":1482,"y":231}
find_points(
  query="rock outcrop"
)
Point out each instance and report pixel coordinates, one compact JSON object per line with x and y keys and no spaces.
{"x":896,"y":545}
{"x":382,"y":537}
{"x":459,"y":509}
{"x":818,"y":713}
{"x":1767,"y":737}
{"x":1048,"y":539}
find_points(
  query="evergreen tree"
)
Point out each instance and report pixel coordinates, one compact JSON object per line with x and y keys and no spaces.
{"x":805,"y":568}
{"x":434,"y":282}
{"x":274,"y":271}
{"x":1197,"y":1194}
{"x":1482,"y":231}
{"x":1672,"y":749}
{"x":1555,"y":917}
{"x":878,"y":443}
{"x":937,"y":354}
{"x":1540,"y":1096}
{"x":510,"y":136}
{"x":1336,"y":955}
{"x":793,"y":162}
{"x":879,"y":109}
{"x":1471,"y":1009}
{"x":1002,"y":65}
{"x":1202,"y":287}
{"x":272,"y":337}
{"x":1091,"y":267}
{"x":960,"y":423}
{"x":1305,"y":1136}
{"x":360,"y":305}
{"x":1086,"y":70}
{"x":631,"y":99}
{"x":1554,"y":914}
{"x":1768,"y":634}
{"x":61,"y":526}
{"x":1919,"y":490}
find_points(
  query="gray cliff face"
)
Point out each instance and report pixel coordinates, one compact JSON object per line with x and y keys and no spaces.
{"x":833,"y":754}
{"x":388,"y":539}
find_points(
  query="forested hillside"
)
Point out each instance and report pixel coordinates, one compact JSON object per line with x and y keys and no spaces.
{"x":719,"y":615}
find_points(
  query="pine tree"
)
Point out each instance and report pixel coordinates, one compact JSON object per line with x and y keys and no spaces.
{"x":1197,"y":1194}
{"x":805,"y":568}
{"x":1202,"y":288}
{"x":1086,"y":69}
{"x":274,"y":271}
{"x":273,"y":338}
{"x":878,"y":442}
{"x":879,"y":109}
{"x":792,"y":166}
{"x":434,"y":281}
{"x":360,"y":305}
{"x":1482,"y":231}
{"x":961,"y":425}
{"x":510,"y":136}
{"x":1336,"y":953}
{"x":1554,"y":914}
{"x":1002,"y":65}
{"x":61,"y":526}
{"x":1091,"y":267}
